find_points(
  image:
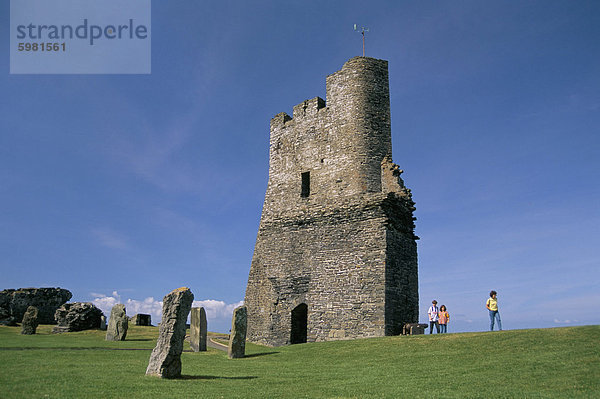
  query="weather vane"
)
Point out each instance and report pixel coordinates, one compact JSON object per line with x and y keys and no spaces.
{"x":362,"y":30}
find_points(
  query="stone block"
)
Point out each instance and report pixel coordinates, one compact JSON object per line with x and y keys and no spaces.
{"x":142,"y":319}
{"x":414,"y":329}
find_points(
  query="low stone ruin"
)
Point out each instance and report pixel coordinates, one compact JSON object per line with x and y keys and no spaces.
{"x":14,"y":303}
{"x":237,"y":338}
{"x":198,"y":330}
{"x":77,"y":316}
{"x":142,"y":319}
{"x":30,"y":321}
{"x":414,"y":329}
{"x":117,"y":324}
{"x":165,"y":360}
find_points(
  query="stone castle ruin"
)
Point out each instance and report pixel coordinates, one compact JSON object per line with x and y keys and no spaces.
{"x":336,"y":254}
{"x":15,"y":302}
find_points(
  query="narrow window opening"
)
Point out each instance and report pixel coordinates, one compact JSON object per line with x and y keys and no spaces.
{"x":305,"y":184}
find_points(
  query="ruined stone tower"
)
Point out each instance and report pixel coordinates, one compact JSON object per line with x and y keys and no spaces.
{"x":335,"y":255}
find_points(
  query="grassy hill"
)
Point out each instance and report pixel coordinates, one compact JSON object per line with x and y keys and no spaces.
{"x":558,"y":362}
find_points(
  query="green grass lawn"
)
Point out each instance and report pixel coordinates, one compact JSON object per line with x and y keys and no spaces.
{"x":558,"y":362}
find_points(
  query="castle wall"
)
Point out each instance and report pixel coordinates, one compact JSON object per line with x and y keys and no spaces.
{"x":330,"y":263}
{"x":336,"y":231}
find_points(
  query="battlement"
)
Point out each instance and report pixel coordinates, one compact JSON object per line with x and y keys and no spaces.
{"x":308,"y":108}
{"x":279,"y":120}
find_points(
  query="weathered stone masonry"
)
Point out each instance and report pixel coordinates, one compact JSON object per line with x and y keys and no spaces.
{"x":336,"y":254}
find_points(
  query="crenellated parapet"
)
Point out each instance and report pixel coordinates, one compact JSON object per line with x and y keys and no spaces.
{"x":308,"y":108}
{"x":279,"y":120}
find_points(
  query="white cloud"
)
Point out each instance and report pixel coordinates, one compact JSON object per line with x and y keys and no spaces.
{"x":105,"y":302}
{"x":147,"y":306}
{"x":218,"y":313}
{"x":217,"y":309}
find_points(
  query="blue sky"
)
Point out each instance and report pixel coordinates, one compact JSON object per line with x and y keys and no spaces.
{"x":124,"y":187}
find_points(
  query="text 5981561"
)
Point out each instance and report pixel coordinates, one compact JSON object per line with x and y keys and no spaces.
{"x":44,"y":46}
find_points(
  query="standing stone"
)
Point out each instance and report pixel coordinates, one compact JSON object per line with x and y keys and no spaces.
{"x":165,"y":361}
{"x":30,"y":321}
{"x":103,"y":323}
{"x":117,"y":324}
{"x":237,"y":339}
{"x":198,"y":330}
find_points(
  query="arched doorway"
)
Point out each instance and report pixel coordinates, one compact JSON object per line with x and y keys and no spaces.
{"x":299,"y":324}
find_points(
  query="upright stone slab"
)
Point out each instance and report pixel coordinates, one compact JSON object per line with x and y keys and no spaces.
{"x":165,"y":361}
{"x":103,"y":323}
{"x":198,"y":330}
{"x":30,"y":321}
{"x":237,"y":338}
{"x":117,"y":324}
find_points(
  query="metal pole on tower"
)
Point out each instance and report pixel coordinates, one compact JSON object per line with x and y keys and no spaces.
{"x":363,"y":34}
{"x":362,"y":31}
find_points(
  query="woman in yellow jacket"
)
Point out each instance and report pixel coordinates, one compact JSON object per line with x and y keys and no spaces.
{"x":492,"y":306}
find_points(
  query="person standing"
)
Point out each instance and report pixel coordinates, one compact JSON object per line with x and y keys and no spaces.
{"x":433,"y":317}
{"x":492,"y":306}
{"x":443,"y":318}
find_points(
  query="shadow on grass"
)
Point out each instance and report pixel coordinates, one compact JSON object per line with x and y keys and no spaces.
{"x":71,"y":348}
{"x":214,"y":377}
{"x":138,"y":339}
{"x":261,"y":354}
